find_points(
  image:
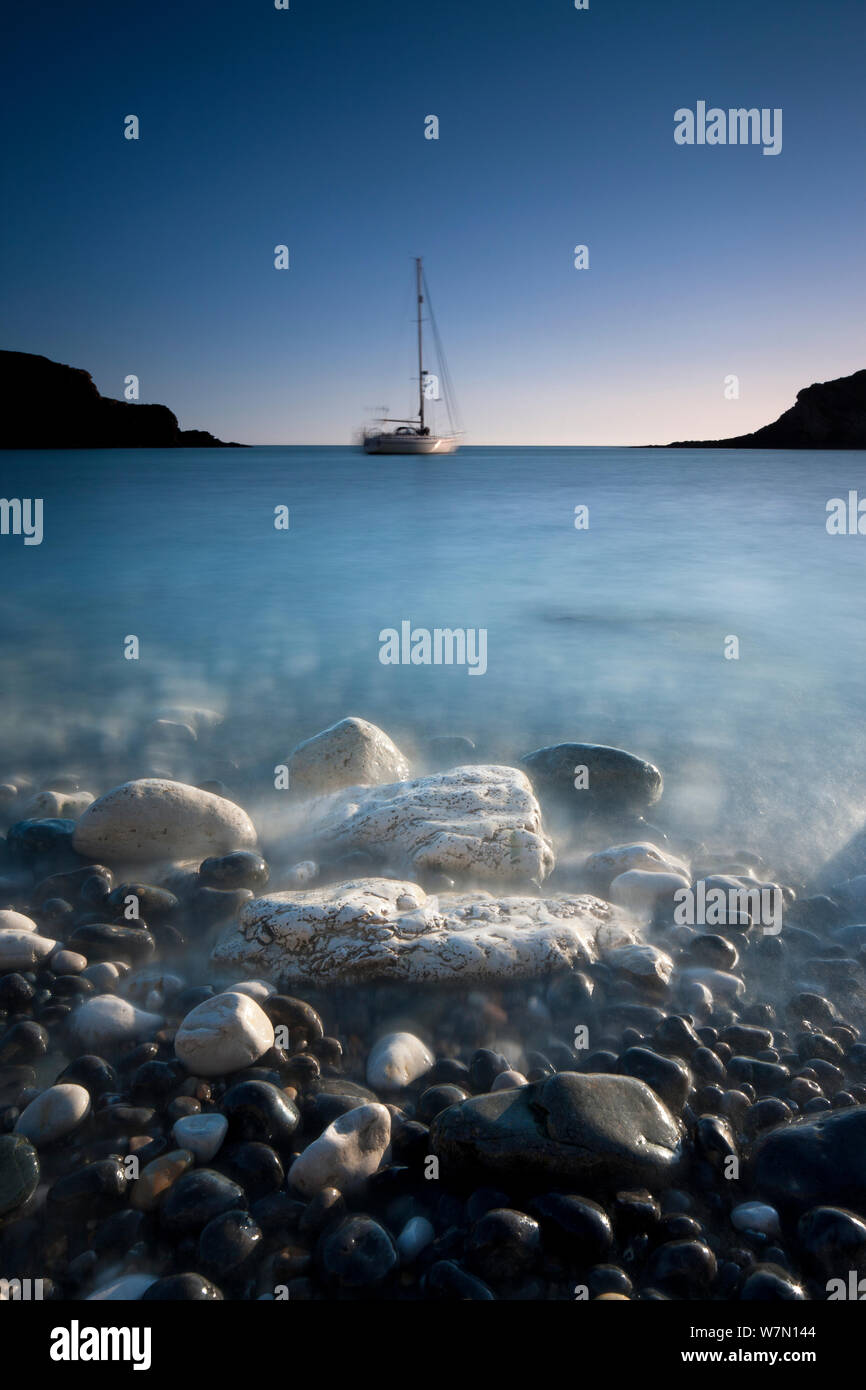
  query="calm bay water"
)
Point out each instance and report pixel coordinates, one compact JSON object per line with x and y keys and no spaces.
{"x":614,"y":634}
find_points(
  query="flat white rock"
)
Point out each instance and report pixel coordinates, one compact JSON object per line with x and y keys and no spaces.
{"x":349,"y":754}
{"x":153,"y":818}
{"x":108,"y":1021}
{"x":483,"y":821}
{"x":23,"y":950}
{"x":201,"y":1134}
{"x":396,"y":1061}
{"x":345,"y":1154}
{"x":223,"y":1034}
{"x":57,"y":1112}
{"x":383,"y":928}
{"x":51,"y":805}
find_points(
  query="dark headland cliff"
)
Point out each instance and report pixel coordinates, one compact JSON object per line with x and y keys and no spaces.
{"x":827,"y":415}
{"x":51,"y":406}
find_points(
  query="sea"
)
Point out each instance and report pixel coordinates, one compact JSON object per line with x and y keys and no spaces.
{"x":690,"y":606}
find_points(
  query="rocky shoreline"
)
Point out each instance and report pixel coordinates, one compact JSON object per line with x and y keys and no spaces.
{"x":420,"y":1037}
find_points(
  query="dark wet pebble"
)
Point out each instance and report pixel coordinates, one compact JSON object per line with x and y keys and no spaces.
{"x":574,"y":1225}
{"x":833,"y":1239}
{"x":105,"y":941}
{"x":240,"y":869}
{"x":92,"y":1188}
{"x":25,"y":1041}
{"x":255,"y":1166}
{"x":256,"y":1110}
{"x":356,"y":1254}
{"x":228,"y":1242}
{"x":503,"y":1244}
{"x":196,"y":1198}
{"x":769,"y":1283}
{"x":668,"y":1077}
{"x":446,"y":1280}
{"x":19,"y":1172}
{"x":683,"y":1268}
{"x":436,"y":1099}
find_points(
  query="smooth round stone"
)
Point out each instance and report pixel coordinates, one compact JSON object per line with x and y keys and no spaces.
{"x":770,"y":1284}
{"x":347,"y":1153}
{"x":820,"y":1161}
{"x":618,"y":780}
{"x":255,"y":1166}
{"x":295,"y":1014}
{"x":259,"y":1111}
{"x":834,"y":1239}
{"x":223,"y":1034}
{"x":25,"y":1041}
{"x":668,"y":1077}
{"x":300,"y":875}
{"x":348,"y":754}
{"x":447,"y":1281}
{"x":202,"y":1135}
{"x":415,"y":1236}
{"x":23,"y":949}
{"x":682,"y":1266}
{"x":396,"y":1061}
{"x":228,"y":1241}
{"x":103,"y":1182}
{"x":196,"y":1198}
{"x":19,"y":1172}
{"x":30,"y":839}
{"x":155,"y":1180}
{"x":10,"y":920}
{"x":127,"y":1288}
{"x":503,"y":1244}
{"x":438,"y":1098}
{"x":358,"y":1254}
{"x":242,"y":869}
{"x":67,"y":963}
{"x":156,"y":819}
{"x":508,"y":1080}
{"x":108,"y":1022}
{"x":108,"y":942}
{"x":641,"y":891}
{"x":756,"y":1216}
{"x":256,"y":989}
{"x":574,"y":1224}
{"x":182,"y":1288}
{"x":103,"y":976}
{"x":54,"y":1114}
{"x":93,"y":1073}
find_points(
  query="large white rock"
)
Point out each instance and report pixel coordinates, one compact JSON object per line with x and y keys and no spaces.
{"x":153,"y":819}
{"x":10,"y":920}
{"x":108,"y":1021}
{"x":396,"y":1061}
{"x":482,"y":821}
{"x":349,"y":754}
{"x":23,"y":950}
{"x":345,"y":1154}
{"x":223,"y":1034}
{"x":57,"y":1112}
{"x":383,"y":928}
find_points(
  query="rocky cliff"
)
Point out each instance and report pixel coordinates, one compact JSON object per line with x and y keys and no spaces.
{"x":50,"y":406}
{"x":827,"y":415}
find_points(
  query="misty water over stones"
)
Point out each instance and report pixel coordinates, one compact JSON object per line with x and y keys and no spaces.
{"x":422,"y":1034}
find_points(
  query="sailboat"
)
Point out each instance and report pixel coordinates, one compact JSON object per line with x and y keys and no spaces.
{"x":414,"y":436}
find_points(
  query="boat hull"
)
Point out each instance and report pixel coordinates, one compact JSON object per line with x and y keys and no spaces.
{"x":410,"y":444}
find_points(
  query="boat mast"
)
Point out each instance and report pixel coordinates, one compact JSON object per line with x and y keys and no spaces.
{"x":419,"y":282}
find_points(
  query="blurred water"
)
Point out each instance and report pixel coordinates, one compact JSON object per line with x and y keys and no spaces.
{"x":614,"y":634}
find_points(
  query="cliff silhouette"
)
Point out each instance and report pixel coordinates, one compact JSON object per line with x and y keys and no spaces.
{"x":51,"y":406}
{"x":827,"y":415}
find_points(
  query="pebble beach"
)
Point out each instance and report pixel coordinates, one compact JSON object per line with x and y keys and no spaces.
{"x":434,"y":1029}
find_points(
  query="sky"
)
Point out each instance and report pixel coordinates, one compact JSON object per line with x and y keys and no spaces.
{"x":306,"y":127}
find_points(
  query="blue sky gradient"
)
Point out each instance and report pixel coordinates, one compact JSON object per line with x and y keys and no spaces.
{"x":306,"y":127}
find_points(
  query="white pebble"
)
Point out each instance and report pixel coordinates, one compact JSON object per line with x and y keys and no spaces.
{"x":256,"y":989}
{"x":347,"y":1153}
{"x":108,"y":1021}
{"x":57,"y":1112}
{"x":127,"y":1287}
{"x":756,"y":1216}
{"x":414,"y":1237}
{"x":67,"y":963}
{"x":396,"y":1061}
{"x":201,"y":1134}
{"x":10,"y":920}
{"x":23,"y":949}
{"x":223,"y":1034}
